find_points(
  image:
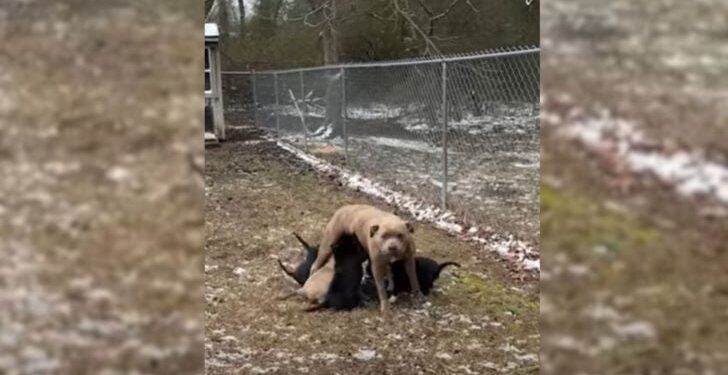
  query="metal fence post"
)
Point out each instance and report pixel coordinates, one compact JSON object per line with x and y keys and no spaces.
{"x":444,"y":135}
{"x":343,"y":114}
{"x":255,"y":99}
{"x":278,"y":123}
{"x":304,"y":110}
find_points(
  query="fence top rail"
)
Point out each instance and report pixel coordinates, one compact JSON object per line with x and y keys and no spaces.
{"x":416,"y":61}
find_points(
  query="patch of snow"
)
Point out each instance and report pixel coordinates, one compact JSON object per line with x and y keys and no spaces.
{"x":374,"y":112}
{"x":637,"y":329}
{"x":402,"y":143}
{"x":527,"y":357}
{"x":260,"y":370}
{"x":366,"y":355}
{"x":118,"y":174}
{"x":566,"y":343}
{"x":602,"y":312}
{"x":210,"y":268}
{"x":324,"y":131}
{"x":688,"y":172}
{"x":328,"y":357}
{"x":444,"y":356}
{"x":474,"y":346}
{"x":490,"y":365}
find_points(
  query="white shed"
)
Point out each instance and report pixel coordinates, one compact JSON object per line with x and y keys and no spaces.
{"x":213,"y":88}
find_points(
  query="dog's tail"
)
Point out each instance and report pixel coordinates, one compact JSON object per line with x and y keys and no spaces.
{"x":445,"y":264}
{"x":286,"y":270}
{"x":301,"y":240}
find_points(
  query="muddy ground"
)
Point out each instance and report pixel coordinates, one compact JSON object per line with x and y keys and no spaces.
{"x":480,"y":319}
{"x":101,"y":189}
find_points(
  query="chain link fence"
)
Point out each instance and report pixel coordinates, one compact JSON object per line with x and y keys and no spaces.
{"x":460,"y":131}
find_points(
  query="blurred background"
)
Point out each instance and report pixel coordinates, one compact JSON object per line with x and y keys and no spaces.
{"x":101,"y":188}
{"x":634,"y":195}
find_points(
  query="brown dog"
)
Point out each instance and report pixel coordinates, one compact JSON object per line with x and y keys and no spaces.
{"x":385,"y":237}
{"x":317,"y":285}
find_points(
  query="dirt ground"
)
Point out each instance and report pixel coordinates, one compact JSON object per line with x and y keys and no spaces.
{"x":479,"y":320}
{"x":634,"y":276}
{"x":101,"y":159}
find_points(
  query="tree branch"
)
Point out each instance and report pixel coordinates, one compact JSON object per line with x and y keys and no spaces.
{"x":428,"y":42}
{"x":472,"y":6}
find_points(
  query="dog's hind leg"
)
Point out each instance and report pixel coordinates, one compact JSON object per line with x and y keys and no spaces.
{"x":315,"y":307}
{"x":325,"y":250}
{"x":287,"y":296}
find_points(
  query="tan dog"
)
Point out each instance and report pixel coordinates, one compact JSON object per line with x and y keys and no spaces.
{"x":385,"y":237}
{"x":317,"y":285}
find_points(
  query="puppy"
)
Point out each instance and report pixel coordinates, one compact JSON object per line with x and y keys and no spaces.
{"x":428,"y":271}
{"x":383,"y":235}
{"x":317,"y":285}
{"x":344,"y":291}
{"x":302,"y":271}
{"x":333,"y":284}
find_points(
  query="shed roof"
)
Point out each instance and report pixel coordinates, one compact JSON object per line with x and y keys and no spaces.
{"x":212,"y":34}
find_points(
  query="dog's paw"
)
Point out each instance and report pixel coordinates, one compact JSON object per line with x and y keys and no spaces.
{"x":418,"y":298}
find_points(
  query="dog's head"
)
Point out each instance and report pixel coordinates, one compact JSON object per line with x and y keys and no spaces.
{"x":392,"y":237}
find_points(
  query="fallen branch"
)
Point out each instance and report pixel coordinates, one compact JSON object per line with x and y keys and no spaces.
{"x":300,"y":113}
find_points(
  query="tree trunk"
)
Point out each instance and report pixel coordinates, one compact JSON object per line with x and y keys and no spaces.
{"x":241,"y":27}
{"x":330,"y":50}
{"x":208,"y":6}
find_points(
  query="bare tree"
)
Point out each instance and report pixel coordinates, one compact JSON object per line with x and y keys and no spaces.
{"x":326,"y":12}
{"x":228,"y":14}
{"x":208,"y":6}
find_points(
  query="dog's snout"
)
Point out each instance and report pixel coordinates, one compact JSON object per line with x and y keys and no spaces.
{"x":392,"y":248}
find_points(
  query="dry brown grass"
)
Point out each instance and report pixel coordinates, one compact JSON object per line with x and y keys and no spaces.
{"x":101,"y":208}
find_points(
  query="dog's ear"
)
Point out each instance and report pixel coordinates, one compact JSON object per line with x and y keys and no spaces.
{"x":410,"y":227}
{"x":373,"y":230}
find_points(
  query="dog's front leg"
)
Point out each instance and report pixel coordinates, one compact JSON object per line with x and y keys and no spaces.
{"x":410,"y":266}
{"x":379,"y":271}
{"x":390,"y":279}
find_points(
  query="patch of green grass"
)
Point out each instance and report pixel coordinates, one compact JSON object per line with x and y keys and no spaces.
{"x":490,"y":296}
{"x":581,"y":224}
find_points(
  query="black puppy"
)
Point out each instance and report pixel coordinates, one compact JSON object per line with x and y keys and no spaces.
{"x":344,"y":291}
{"x":301,"y":273}
{"x":428,"y":270}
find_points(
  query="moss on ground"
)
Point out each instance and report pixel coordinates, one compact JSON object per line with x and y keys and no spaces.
{"x":590,"y":225}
